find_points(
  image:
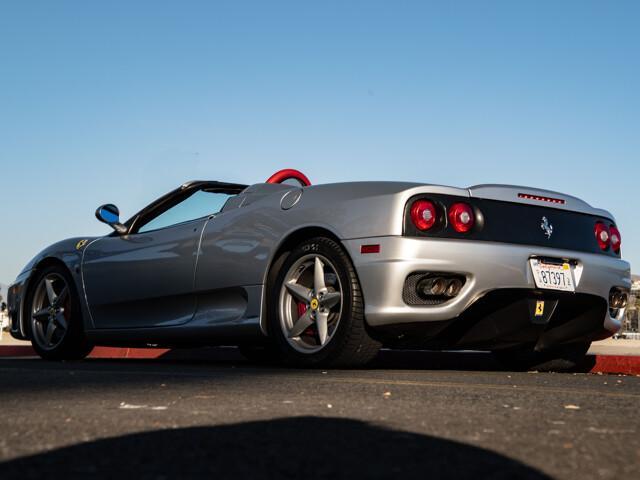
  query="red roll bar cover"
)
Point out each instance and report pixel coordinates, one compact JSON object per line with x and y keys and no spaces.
{"x":288,"y":174}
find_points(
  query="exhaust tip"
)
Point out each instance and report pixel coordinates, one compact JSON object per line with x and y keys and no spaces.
{"x":443,"y":286}
{"x":618,"y":299}
{"x":453,"y":288}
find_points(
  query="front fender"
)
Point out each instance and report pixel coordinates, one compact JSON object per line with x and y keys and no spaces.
{"x":67,"y":252}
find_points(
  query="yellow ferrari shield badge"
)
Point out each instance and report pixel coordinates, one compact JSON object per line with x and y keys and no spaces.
{"x":539,"y":308}
{"x":81,"y":244}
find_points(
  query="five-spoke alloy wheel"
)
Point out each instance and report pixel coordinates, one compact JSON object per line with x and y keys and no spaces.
{"x":50,"y":311}
{"x":310,"y":303}
{"x":316,"y":309}
{"x":55,"y":318}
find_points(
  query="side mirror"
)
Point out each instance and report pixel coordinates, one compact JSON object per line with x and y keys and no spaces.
{"x":110,"y":215}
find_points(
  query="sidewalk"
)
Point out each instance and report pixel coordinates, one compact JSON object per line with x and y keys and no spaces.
{"x":616,"y":347}
{"x":7,"y":339}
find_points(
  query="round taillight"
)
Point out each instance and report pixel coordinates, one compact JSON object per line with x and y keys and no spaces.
{"x":461,"y":217}
{"x":423,"y":214}
{"x":603,"y":236}
{"x":616,"y":239}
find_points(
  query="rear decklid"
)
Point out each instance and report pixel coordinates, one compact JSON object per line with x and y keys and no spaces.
{"x":533,"y":216}
{"x":535,"y":196}
{"x":518,"y":215}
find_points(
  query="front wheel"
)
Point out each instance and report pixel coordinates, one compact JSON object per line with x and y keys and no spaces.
{"x":316,"y":309}
{"x":54,"y":317}
{"x":562,"y":358}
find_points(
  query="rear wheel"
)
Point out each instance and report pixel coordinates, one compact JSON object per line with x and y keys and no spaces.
{"x":54,"y":317}
{"x":316,"y":309}
{"x":562,"y":358}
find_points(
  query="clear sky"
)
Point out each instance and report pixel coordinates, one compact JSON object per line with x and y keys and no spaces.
{"x":122,"y":101}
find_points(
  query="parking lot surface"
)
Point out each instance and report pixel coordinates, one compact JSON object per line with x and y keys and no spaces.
{"x":408,"y":416}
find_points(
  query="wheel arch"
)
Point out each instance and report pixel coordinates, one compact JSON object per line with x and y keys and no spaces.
{"x":287,"y":244}
{"x":29,"y":284}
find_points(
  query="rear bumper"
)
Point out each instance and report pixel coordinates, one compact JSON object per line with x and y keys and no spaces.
{"x":487,"y":267}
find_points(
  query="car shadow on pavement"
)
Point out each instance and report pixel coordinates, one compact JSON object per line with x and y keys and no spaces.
{"x":432,"y":360}
{"x":298,"y":447}
{"x":386,"y":359}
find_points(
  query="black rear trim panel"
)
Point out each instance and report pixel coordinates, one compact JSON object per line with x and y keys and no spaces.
{"x":516,"y":223}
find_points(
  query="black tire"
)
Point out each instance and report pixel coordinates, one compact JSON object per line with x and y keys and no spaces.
{"x":73,"y":344}
{"x":351,"y":345}
{"x":564,"y":358}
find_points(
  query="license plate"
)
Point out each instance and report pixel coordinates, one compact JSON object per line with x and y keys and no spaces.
{"x":552,"y":276}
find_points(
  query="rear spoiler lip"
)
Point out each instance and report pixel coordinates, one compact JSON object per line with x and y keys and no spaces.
{"x":509,"y":193}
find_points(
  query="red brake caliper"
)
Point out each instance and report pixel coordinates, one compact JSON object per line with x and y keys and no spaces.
{"x":302,"y":309}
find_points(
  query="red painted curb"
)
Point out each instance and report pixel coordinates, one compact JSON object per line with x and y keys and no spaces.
{"x":16,"y":351}
{"x":626,"y":365}
{"x":98,"y":352}
{"x":115,"y":352}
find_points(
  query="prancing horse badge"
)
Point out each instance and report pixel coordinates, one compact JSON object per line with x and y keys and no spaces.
{"x":546,"y":227}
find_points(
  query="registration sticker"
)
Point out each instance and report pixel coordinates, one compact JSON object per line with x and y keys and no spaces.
{"x":552,"y":276}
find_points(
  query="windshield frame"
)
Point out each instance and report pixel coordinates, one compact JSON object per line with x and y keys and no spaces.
{"x":176,"y":196}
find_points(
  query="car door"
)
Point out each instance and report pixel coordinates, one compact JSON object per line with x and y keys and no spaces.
{"x":145,"y":278}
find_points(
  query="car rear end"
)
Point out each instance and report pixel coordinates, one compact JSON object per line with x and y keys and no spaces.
{"x":492,"y":267}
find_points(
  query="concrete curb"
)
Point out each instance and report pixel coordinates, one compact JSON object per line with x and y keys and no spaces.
{"x":610,"y":364}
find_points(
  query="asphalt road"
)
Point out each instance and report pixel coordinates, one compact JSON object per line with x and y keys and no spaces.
{"x":409,"y":416}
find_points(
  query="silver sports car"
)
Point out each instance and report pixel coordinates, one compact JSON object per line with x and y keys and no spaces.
{"x":326,"y":275}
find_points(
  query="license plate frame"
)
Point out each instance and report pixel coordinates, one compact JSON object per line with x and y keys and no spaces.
{"x":553,"y":276}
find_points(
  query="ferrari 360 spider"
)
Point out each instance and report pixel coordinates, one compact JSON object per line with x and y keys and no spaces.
{"x":326,"y":275}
